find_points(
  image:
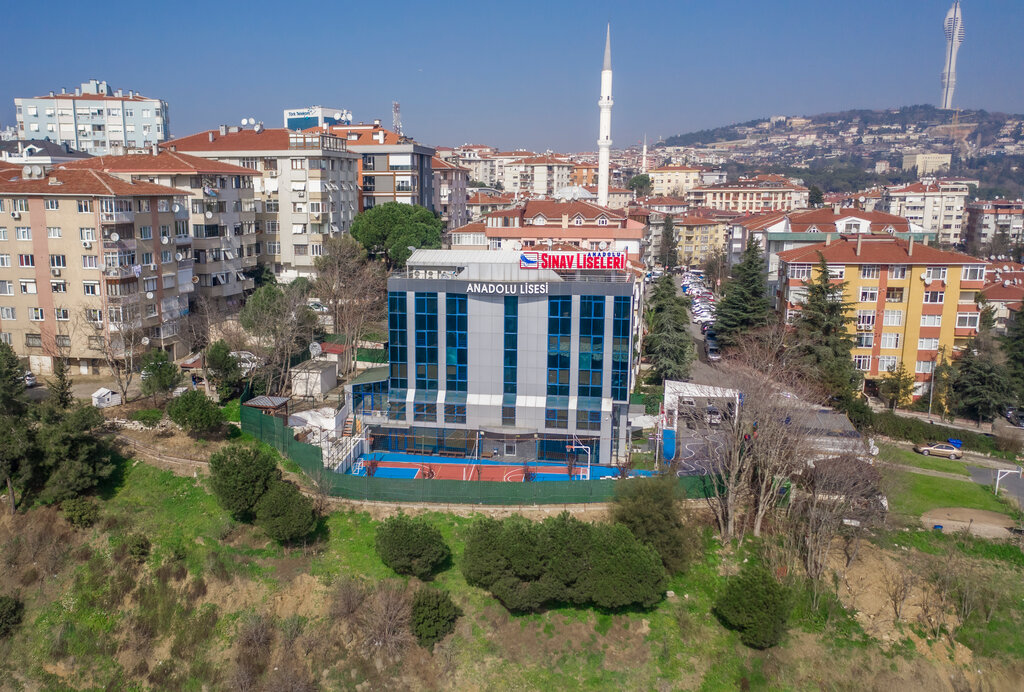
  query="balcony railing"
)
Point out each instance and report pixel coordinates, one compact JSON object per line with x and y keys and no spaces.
{"x":117,"y":217}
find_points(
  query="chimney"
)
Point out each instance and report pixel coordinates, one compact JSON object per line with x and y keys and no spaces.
{"x":223,"y":130}
{"x":51,"y":94}
{"x":925,"y":240}
{"x":63,"y":90}
{"x":211,"y":135}
{"x":859,"y":239}
{"x":828,"y":239}
{"x":565,"y":220}
{"x":156,"y":149}
{"x":119,"y":94}
{"x":376,"y":122}
{"x":78,"y":91}
{"x":174,"y":147}
{"x":131,"y":93}
{"x":910,"y":247}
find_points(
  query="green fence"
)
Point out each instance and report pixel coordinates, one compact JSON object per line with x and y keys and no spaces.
{"x":274,"y":432}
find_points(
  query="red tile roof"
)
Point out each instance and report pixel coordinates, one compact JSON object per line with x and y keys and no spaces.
{"x":269,"y":139}
{"x":801,"y":220}
{"x":362,"y":135}
{"x":82,"y":182}
{"x":875,"y":250}
{"x":437,"y":164}
{"x":164,"y":162}
{"x":541,"y":161}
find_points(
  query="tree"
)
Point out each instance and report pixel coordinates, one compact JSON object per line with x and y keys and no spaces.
{"x":433,"y":615}
{"x":60,"y":385}
{"x":17,"y":452}
{"x":640,"y":184}
{"x":716,"y":267}
{"x":649,"y":508}
{"x":284,"y":513}
{"x":1013,"y":349}
{"x":262,"y":275}
{"x":282,"y":323}
{"x":159,"y":373}
{"x":898,"y":385}
{"x":744,"y":305}
{"x":982,"y":387}
{"x":815,"y":197}
{"x":411,"y":546}
{"x":822,"y":338}
{"x":239,"y":476}
{"x":942,"y":395}
{"x":222,"y":368}
{"x":388,"y":230}
{"x":122,"y":341}
{"x":11,"y":611}
{"x":195,"y":413}
{"x":669,"y":246}
{"x":71,"y":459}
{"x":755,"y":605}
{"x":12,"y":381}
{"x":352,"y":287}
{"x":669,"y":344}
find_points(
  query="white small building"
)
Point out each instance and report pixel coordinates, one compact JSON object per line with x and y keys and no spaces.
{"x":314,"y":378}
{"x":103,"y":398}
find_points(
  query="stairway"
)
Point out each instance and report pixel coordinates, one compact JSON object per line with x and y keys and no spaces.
{"x":350,"y":424}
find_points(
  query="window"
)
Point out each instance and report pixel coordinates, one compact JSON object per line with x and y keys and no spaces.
{"x":147,"y":258}
{"x":929,"y":344}
{"x":298,"y":164}
{"x":20,"y":205}
{"x":934,"y":296}
{"x":58,"y":287}
{"x":6,"y":288}
{"x":36,"y":314}
{"x":5,"y":260}
{"x":454,"y":413}
{"x":894,"y":295}
{"x":935,"y":273}
{"x":865,"y":318}
{"x":273,"y":227}
{"x":836,"y":271}
{"x":559,"y":331}
{"x":588,"y":420}
{"x":53,"y":232}
{"x":973,"y":272}
{"x":887,"y":363}
{"x":511,"y":347}
{"x":62,"y":340}
{"x":556,"y":418}
{"x":58,"y":261}
{"x":273,"y":248}
{"x":23,"y":233}
{"x":967,"y":320}
{"x":799,"y":271}
{"x":424,"y":412}
{"x":273,"y":206}
{"x":862,"y":363}
{"x":425,"y":323}
{"x":591,"y":356}
{"x":865,"y":339}
{"x":90,"y":262}
{"x":85,"y":206}
{"x":7,"y":313}
{"x":897,"y":271}
{"x":165,"y":256}
{"x":890,"y":340}
{"x":91,"y":288}
{"x":869,"y":294}
{"x":62,"y":314}
{"x":893,"y":318}
{"x":94,"y":314}
{"x":316,"y":249}
{"x":931,"y":320}
{"x":300,"y":250}
{"x":26,"y":260}
{"x":52,"y":204}
{"x":869,"y":271}
{"x":87,"y":234}
{"x":145,"y":232}
{"x":3,"y":229}
{"x":149,"y":283}
{"x":5,"y":337}
{"x":34,"y":340}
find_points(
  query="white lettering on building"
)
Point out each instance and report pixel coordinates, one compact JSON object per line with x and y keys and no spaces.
{"x":518,"y":289}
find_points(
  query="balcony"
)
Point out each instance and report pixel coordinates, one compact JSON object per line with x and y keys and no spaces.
{"x":122,"y":272}
{"x":129,"y":299}
{"x":182,"y":240}
{"x":108,"y":217}
{"x":185,"y":263}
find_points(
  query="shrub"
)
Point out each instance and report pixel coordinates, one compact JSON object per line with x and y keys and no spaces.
{"x":411,"y":546}
{"x":527,"y":565}
{"x":239,"y":476}
{"x":80,"y":511}
{"x":649,"y":508}
{"x":384,"y":620}
{"x":137,"y":546}
{"x":159,"y":373}
{"x":433,"y":615}
{"x":11,"y":611}
{"x":285,"y":513}
{"x":346,"y":598}
{"x":755,"y":605}
{"x":149,"y":417}
{"x":194,"y":412}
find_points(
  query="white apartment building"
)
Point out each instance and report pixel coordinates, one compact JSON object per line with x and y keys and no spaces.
{"x":939,"y":206}
{"x":751,"y":195}
{"x":991,"y":219}
{"x":95,"y":118}
{"x":674,"y":181}
{"x":304,"y":185}
{"x":539,"y":175}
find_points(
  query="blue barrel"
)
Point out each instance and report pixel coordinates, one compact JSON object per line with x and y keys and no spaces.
{"x":668,"y":444}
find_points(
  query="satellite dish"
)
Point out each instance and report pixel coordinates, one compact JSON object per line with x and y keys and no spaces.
{"x":195,"y":279}
{"x":164,"y":240}
{"x":258,"y":127}
{"x":1006,"y":282}
{"x":37,"y":171}
{"x":862,"y":199}
{"x":315,"y":350}
{"x":337,"y":115}
{"x":602,"y":245}
{"x":927,"y":282}
{"x":924,"y":276}
{"x":245,"y":121}
{"x":176,"y":208}
{"x":26,"y":172}
{"x":115,"y":237}
{"x":1006,"y":268}
{"x":178,"y":256}
{"x":991,"y":257}
{"x":518,"y":245}
{"x":145,"y":341}
{"x":209,"y":214}
{"x":149,"y":295}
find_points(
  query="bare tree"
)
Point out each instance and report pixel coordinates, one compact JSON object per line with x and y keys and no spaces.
{"x":352,"y":287}
{"x":120,"y":339}
{"x":897,"y":582}
{"x":281,"y":323}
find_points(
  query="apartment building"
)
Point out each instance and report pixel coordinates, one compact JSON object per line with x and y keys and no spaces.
{"x":583,"y":174}
{"x":994,"y":218}
{"x":450,"y":195}
{"x":543,"y":223}
{"x":937,"y":205}
{"x":219,"y":239}
{"x":926,"y":164}
{"x":22,"y":152}
{"x":476,"y":158}
{"x":480,"y":203}
{"x":394,"y":168}
{"x":674,"y":181}
{"x":95,"y":118}
{"x":910,"y":300}
{"x":304,"y":187}
{"x":86,"y":267}
{"x":751,"y":195}
{"x":539,"y":175}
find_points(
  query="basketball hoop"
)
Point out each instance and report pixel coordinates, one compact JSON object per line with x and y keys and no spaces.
{"x":568,"y":448}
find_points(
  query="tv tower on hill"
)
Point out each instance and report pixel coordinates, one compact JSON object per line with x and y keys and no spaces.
{"x":954,"y":27}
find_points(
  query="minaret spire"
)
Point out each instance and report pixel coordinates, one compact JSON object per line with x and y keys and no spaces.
{"x":604,"y":137}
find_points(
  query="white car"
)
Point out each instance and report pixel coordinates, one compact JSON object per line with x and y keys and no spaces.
{"x":30,"y":379}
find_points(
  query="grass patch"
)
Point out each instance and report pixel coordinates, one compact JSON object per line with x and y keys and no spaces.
{"x":914,"y":494}
{"x":372,"y":355}
{"x":908,"y":457}
{"x":936,"y":543}
{"x":232,"y":410}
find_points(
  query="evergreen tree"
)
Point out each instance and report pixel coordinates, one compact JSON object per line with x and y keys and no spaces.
{"x":60,"y":385}
{"x":982,"y":387}
{"x":1013,"y":349}
{"x":897,"y":385}
{"x":745,"y":305}
{"x":159,"y":373}
{"x":815,"y":197}
{"x":942,"y":394}
{"x":821,"y":335}
{"x":669,"y":249}
{"x":12,"y":381}
{"x":223,"y":368}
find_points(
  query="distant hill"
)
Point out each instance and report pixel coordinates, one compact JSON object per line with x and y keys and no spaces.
{"x":988,"y":124}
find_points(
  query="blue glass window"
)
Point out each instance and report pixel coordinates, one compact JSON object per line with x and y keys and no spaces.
{"x":454,"y":413}
{"x":398,"y":340}
{"x":424,"y":412}
{"x":511,"y":353}
{"x":426,"y":341}
{"x":588,"y":420}
{"x":559,"y":333}
{"x":620,"y":347}
{"x":556,"y":418}
{"x":456,"y":348}
{"x":591,"y":345}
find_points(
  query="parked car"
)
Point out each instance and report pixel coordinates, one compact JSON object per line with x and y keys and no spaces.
{"x":939,"y":449}
{"x":711,"y":350}
{"x":30,"y":379}
{"x":713,"y":416}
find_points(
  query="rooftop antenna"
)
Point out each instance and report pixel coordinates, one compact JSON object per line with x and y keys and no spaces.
{"x":396,"y":118}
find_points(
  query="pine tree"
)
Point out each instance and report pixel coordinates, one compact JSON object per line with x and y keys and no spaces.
{"x":822,"y":338}
{"x":898,"y":385}
{"x":745,"y":305}
{"x":982,"y":387}
{"x":669,"y":251}
{"x":60,"y":385}
{"x":1013,"y":349}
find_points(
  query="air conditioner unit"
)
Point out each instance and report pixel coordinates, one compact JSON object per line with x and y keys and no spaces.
{"x":55,"y":272}
{"x":301,"y":194}
{"x":152,"y":267}
{"x":865,"y":327}
{"x":86,"y":244}
{"x":271,"y":174}
{"x":15,"y":214}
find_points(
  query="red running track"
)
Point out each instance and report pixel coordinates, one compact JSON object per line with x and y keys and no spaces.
{"x":449,"y":471}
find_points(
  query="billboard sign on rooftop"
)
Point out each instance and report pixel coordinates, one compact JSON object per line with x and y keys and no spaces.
{"x":572,"y":260}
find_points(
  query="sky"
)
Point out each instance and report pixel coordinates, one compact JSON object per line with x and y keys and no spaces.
{"x":523,"y":74}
